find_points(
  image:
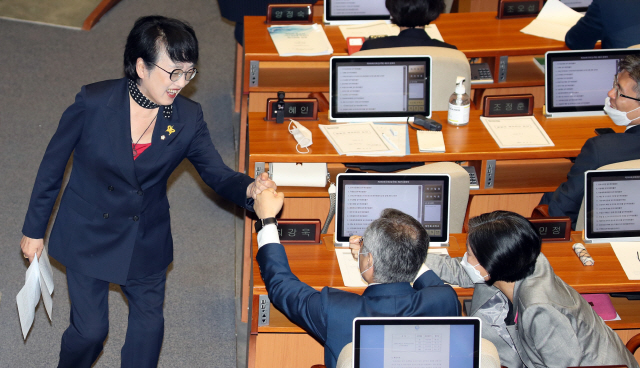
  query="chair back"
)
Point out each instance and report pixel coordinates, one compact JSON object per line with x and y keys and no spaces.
{"x":631,"y":164}
{"x":446,"y":65}
{"x":459,"y":190}
{"x":489,"y":357}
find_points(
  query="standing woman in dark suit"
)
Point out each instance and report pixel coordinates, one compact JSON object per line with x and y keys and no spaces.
{"x":113,"y":226}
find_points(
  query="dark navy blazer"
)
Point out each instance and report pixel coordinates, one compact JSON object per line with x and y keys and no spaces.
{"x":328,"y":314}
{"x":615,"y":22}
{"x":597,"y":151}
{"x":407,"y":38}
{"x":113,"y":221}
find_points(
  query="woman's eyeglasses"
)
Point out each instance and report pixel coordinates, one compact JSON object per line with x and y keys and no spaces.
{"x":176,"y":74}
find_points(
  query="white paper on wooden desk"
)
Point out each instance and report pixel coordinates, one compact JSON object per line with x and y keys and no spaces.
{"x":356,"y":139}
{"x":517,"y":132}
{"x":38,"y":282}
{"x":628,"y":254}
{"x":300,"y":40}
{"x":554,"y":21}
{"x":351,"y":272}
{"x":383,"y":28}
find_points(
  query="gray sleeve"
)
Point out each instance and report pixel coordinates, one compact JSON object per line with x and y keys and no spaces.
{"x":449,"y":269}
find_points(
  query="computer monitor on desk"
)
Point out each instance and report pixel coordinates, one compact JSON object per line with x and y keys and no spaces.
{"x":362,"y":197}
{"x":612,"y":206}
{"x":354,"y":11}
{"x":577,"y":82}
{"x":379,"y":88}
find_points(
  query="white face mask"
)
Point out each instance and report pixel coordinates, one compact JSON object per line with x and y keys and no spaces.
{"x":364,"y":270}
{"x":472,"y":271}
{"x":301,"y":134}
{"x":619,"y":117}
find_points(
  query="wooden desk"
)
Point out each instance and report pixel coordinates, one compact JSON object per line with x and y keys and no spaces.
{"x":478,"y":35}
{"x":276,"y":344}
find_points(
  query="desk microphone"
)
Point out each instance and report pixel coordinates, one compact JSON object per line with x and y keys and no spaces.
{"x":280,"y":108}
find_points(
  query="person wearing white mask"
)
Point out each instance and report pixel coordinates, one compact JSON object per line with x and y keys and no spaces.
{"x":390,"y":255}
{"x":622,"y":105}
{"x":532,"y":317}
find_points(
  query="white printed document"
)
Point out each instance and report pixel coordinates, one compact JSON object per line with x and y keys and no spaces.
{"x":517,"y":132}
{"x":628,"y":254}
{"x":350,"y":270}
{"x":300,"y":40}
{"x":554,"y":21}
{"x":356,"y":139}
{"x":38,"y":281}
{"x":383,"y":28}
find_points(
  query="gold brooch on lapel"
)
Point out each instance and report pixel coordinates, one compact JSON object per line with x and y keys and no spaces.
{"x":162,"y":137}
{"x":170,"y":129}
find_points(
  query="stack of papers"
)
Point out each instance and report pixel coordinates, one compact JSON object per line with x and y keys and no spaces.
{"x":554,"y":21}
{"x":38,"y":281}
{"x":517,"y":132}
{"x":382,"y":28}
{"x":429,"y":141}
{"x":367,"y":139}
{"x":628,"y":254}
{"x":300,"y":40}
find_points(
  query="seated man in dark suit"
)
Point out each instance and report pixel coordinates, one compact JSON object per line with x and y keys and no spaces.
{"x":394,"y":248}
{"x":411,"y":16}
{"x":623,"y":107}
{"x":614,"y":22}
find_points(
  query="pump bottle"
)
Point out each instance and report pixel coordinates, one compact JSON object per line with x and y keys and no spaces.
{"x":459,"y":105}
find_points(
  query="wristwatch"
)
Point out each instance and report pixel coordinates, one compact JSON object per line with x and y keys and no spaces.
{"x":262,"y":222}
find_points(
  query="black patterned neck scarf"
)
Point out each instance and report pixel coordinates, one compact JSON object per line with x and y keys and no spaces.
{"x":138,"y":97}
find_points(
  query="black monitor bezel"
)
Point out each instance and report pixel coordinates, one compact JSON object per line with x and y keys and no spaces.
{"x":333,"y":95}
{"x":426,"y":321}
{"x":588,"y":211}
{"x":350,"y":18}
{"x":444,"y":238}
{"x":549,"y":58}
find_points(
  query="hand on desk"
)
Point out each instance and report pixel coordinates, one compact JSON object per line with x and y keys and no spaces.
{"x":262,"y":182}
{"x":354,"y":245}
{"x":268,"y":203}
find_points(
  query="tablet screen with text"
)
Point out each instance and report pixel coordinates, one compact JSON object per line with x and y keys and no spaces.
{"x":389,"y":88}
{"x":347,"y":11}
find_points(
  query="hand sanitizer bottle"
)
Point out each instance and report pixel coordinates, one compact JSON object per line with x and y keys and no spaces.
{"x":459,"y":105}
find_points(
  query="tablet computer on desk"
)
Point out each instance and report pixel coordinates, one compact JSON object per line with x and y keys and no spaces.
{"x":338,"y":12}
{"x":577,"y":82}
{"x":362,"y":197}
{"x":379,"y":88}
{"x":389,"y":342}
{"x":612,"y":206}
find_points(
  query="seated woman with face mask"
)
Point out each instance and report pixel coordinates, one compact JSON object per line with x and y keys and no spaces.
{"x":531,"y":316}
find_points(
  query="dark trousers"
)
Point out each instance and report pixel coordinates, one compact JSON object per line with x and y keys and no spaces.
{"x":83,"y":340}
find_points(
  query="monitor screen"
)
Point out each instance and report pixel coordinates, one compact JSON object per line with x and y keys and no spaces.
{"x":577,"y":5}
{"x":380,"y":88}
{"x":416,"y":342}
{"x":354,"y":11}
{"x":578,"y":81}
{"x":612,"y":204}
{"x":362,"y":197}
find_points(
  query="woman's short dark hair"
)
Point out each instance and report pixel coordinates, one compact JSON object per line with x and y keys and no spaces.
{"x":505,"y":244}
{"x":414,"y":13}
{"x":398,"y":244}
{"x":152,"y":33}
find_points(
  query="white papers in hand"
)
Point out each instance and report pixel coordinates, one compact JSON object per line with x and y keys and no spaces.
{"x":517,"y":132}
{"x":351,"y":272}
{"x":554,"y":21}
{"x":38,"y":282}
{"x":628,"y":255}
{"x":300,"y":40}
{"x":357,"y":139}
